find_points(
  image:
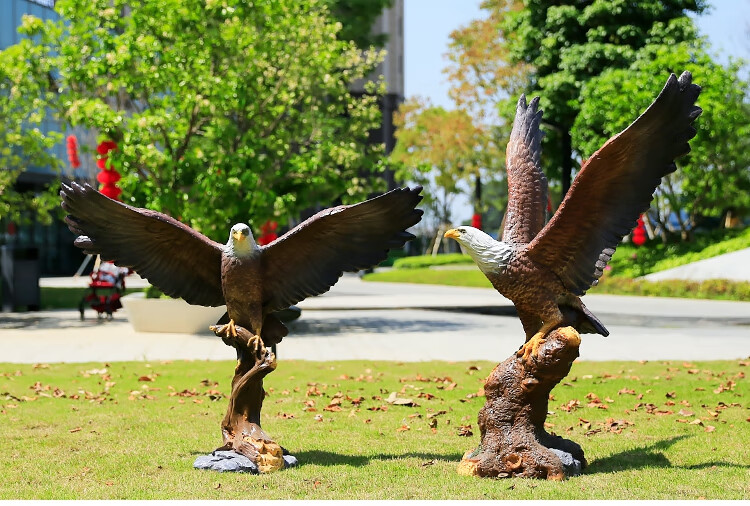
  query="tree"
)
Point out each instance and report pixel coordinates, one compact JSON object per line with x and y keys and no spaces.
{"x":223,"y":110}
{"x":715,"y":176}
{"x":568,"y":43}
{"x":439,"y":149}
{"x":453,"y":151}
{"x":23,"y":142}
{"x":356,"y":18}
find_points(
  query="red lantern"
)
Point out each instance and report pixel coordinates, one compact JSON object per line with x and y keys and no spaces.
{"x":107,"y":176}
{"x":72,"y":144}
{"x":268,"y":233}
{"x":639,"y":233}
{"x":476,"y":221}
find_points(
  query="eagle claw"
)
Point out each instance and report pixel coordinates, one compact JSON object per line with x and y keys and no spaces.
{"x":531,"y":348}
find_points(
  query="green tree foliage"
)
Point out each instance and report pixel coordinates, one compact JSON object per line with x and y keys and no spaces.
{"x":223,"y":110}
{"x":715,"y":176}
{"x":570,"y":42}
{"x":23,"y":142}
{"x":356,"y":18}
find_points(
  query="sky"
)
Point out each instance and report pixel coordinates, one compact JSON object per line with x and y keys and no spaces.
{"x":428,"y":24}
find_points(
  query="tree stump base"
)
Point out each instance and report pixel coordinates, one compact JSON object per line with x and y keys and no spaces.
{"x":246,"y":448}
{"x":513,"y":439}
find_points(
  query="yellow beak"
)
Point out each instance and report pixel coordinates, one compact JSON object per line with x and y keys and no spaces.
{"x":238,"y":236}
{"x":452,"y":233}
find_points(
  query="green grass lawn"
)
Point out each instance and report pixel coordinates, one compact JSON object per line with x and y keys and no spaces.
{"x":656,"y":430}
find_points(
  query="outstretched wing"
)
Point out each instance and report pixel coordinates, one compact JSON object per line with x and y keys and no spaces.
{"x":527,"y":186}
{"x":309,"y":259}
{"x":615,"y":186}
{"x":172,"y":256}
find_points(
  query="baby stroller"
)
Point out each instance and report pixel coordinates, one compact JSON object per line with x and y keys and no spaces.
{"x":105,"y":289}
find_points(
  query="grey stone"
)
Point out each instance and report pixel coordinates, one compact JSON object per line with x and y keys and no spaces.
{"x":571,"y":466}
{"x":226,"y":461}
{"x":231,"y":461}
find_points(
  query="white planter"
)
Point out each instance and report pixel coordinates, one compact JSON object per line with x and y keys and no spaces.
{"x":169,"y":315}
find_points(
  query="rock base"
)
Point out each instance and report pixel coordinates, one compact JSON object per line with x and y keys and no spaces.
{"x":233,"y":462}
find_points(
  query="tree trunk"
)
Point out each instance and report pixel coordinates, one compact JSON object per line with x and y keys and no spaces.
{"x":567,"y":161}
{"x":513,"y":439}
{"x":240,"y":428}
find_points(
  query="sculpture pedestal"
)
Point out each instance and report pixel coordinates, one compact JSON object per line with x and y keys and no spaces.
{"x":514,"y":442}
{"x":247,"y":448}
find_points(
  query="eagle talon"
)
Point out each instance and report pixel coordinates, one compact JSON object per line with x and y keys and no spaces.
{"x":531,"y":348}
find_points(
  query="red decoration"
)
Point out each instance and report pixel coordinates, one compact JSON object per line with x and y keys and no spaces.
{"x":72,"y":145}
{"x":639,"y":233}
{"x":268,"y":233}
{"x":107,"y":176}
{"x":476,"y":221}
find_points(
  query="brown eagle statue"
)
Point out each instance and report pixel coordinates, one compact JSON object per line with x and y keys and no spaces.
{"x":253,"y":281}
{"x":545,"y":269}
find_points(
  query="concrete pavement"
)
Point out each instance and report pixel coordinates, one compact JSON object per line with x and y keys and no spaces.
{"x":405,"y":322}
{"x":734,"y":265}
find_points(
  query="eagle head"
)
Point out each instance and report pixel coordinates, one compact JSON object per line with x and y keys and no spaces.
{"x":490,"y":255}
{"x":241,"y":241}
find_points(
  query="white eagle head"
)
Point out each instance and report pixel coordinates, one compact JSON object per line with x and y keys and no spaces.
{"x":489,"y":254}
{"x":241,"y":241}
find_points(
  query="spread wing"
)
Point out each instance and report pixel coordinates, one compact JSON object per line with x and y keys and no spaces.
{"x":615,"y":186}
{"x":527,"y":186}
{"x":172,"y":256}
{"x":309,"y":259}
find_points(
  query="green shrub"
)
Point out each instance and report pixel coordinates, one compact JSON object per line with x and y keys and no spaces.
{"x":722,"y":289}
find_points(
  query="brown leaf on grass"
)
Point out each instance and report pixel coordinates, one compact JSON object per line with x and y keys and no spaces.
{"x":671,"y":395}
{"x":685,"y":412}
{"x":551,"y":397}
{"x":77,"y":429}
{"x":332,"y":408}
{"x":428,"y":463}
{"x":403,"y":428}
{"x":150,"y":377}
{"x":700,"y":389}
{"x":709,"y":428}
{"x":377,"y":408}
{"x":217,"y":486}
{"x":681,"y":420}
{"x":437,"y":413}
{"x":425,"y":395}
{"x":40,"y":366}
{"x":450,"y":386}
{"x":693,"y":371}
{"x":626,"y":391}
{"x":318,"y":418}
{"x":571,"y":405}
{"x":583,"y":423}
{"x":433,"y":423}
{"x":109,"y":483}
{"x":313,"y":391}
{"x":399,"y":401}
{"x":697,"y":421}
{"x":368,"y":420}
{"x":356,"y":401}
{"x":209,"y":383}
{"x":744,"y":363}
{"x":284,"y":416}
{"x":726,"y":387}
{"x":465,"y":430}
{"x":616,"y":426}
{"x":309,"y":405}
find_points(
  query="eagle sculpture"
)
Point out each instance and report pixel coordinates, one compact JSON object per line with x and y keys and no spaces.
{"x":253,"y":281}
{"x":545,"y":269}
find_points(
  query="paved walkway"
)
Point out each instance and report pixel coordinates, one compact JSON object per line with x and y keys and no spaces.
{"x":405,"y":322}
{"x":734,"y":266}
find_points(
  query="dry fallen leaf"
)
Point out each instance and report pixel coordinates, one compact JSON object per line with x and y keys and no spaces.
{"x":403,"y":428}
{"x":77,"y":429}
{"x":709,"y":428}
{"x":465,"y":430}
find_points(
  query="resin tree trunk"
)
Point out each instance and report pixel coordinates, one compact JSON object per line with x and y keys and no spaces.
{"x":513,"y":439}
